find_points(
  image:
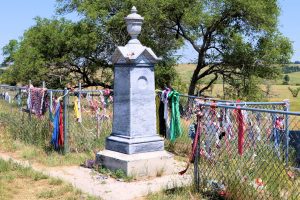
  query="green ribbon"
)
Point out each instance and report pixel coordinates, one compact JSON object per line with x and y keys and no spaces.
{"x":175,"y":127}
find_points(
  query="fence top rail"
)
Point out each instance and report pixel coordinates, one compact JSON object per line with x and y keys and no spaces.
{"x":54,"y":90}
{"x":79,"y":91}
{"x":231,"y":102}
{"x":256,"y":103}
{"x":250,"y":109}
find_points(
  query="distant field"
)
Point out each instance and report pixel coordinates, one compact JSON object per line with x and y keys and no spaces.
{"x":278,"y":92}
{"x":186,"y":70}
{"x":294,"y":78}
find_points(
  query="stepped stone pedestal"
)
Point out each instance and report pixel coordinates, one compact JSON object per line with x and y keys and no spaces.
{"x":134,"y":145}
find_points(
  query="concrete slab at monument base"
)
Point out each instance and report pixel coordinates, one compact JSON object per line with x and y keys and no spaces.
{"x":149,"y":164}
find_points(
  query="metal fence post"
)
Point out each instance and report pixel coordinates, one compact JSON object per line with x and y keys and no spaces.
{"x":287,"y":132}
{"x":197,"y":154}
{"x":19,"y":99}
{"x":79,"y":102}
{"x":65,"y":121}
{"x":29,"y":106}
{"x":196,"y":166}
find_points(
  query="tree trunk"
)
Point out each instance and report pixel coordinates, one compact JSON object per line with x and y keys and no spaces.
{"x":194,"y":79}
{"x":192,"y":87}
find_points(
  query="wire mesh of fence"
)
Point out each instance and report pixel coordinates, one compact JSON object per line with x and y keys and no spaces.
{"x":247,"y":153}
{"x":245,"y":150}
{"x":84,"y":134}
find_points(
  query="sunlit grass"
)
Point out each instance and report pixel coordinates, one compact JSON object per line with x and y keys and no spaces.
{"x":31,"y":138}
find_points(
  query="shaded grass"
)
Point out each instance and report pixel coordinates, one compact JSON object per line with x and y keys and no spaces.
{"x":117,"y":174}
{"x":17,"y":182}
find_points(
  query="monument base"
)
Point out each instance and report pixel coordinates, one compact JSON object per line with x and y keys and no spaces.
{"x":149,"y":164}
{"x":134,"y":145}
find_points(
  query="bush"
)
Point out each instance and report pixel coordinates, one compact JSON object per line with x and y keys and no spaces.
{"x":295,"y":91}
{"x":286,"y":79}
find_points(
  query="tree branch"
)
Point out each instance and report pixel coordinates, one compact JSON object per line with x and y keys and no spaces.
{"x":209,"y":84}
{"x":181,"y":31}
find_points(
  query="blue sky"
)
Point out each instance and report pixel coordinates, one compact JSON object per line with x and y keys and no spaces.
{"x":18,"y":15}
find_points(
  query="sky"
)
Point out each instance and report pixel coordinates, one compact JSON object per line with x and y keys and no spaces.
{"x":18,"y":15}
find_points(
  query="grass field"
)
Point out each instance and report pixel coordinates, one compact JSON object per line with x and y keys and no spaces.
{"x":278,"y":92}
{"x":294,"y":78}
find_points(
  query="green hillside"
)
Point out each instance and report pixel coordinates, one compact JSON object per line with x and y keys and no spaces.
{"x":185,"y":72}
{"x":279,"y":91}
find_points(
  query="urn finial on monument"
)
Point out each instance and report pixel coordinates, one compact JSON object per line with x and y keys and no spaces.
{"x":134,"y":23}
{"x":134,"y":52}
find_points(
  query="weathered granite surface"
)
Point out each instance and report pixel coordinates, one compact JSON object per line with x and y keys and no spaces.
{"x":134,"y":118}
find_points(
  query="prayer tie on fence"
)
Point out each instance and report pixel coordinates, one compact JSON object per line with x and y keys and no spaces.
{"x":243,"y":150}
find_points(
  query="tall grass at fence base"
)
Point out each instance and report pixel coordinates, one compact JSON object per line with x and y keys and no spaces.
{"x":177,"y":193}
{"x":238,"y":173}
{"x":31,"y":137}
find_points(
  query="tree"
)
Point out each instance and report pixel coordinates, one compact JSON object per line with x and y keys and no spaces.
{"x":233,"y":38}
{"x":61,"y":51}
{"x":8,"y":52}
{"x":286,"y":79}
{"x":294,"y":91}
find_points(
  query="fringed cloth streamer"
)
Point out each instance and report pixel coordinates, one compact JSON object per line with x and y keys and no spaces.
{"x":77,"y":109}
{"x":55,"y":133}
{"x":175,"y":127}
{"x":241,"y":130}
{"x":58,"y":134}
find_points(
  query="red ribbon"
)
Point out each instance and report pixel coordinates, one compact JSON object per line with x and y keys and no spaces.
{"x":241,"y":130}
{"x":192,"y":155}
{"x":61,"y":128}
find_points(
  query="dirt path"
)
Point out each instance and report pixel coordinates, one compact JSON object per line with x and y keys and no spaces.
{"x":99,"y":185}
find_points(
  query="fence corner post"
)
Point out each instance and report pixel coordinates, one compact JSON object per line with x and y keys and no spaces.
{"x":287,"y":132}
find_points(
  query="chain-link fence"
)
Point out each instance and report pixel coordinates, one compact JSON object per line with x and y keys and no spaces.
{"x":243,"y":150}
{"x":247,"y":153}
{"x":84,"y":126}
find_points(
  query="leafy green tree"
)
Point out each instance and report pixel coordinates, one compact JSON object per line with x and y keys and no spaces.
{"x":286,"y":79}
{"x":233,"y":38}
{"x":61,"y":51}
{"x":8,"y":52}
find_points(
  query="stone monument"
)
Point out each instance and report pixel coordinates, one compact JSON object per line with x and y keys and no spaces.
{"x":134,"y":145}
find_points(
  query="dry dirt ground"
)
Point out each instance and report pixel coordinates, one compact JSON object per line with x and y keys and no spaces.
{"x":94,"y":183}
